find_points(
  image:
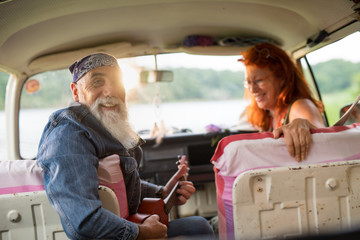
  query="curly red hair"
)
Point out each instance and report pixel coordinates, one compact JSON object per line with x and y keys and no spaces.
{"x":284,"y":69}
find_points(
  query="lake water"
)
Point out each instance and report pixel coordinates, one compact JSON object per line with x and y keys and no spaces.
{"x":192,"y":115}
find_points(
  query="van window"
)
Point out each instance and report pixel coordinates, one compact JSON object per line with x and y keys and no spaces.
{"x":3,"y":81}
{"x":336,"y":68}
{"x":41,"y":95}
{"x":205,"y":91}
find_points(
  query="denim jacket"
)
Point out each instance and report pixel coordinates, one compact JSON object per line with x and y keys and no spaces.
{"x":72,"y":143}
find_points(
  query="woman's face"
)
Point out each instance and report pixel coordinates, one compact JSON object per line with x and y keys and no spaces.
{"x":263,"y":86}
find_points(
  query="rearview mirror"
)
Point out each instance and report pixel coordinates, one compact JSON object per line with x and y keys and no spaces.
{"x":156,"y":76}
{"x":354,"y":116}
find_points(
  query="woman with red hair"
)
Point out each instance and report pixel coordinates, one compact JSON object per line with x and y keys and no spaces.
{"x":281,"y":100}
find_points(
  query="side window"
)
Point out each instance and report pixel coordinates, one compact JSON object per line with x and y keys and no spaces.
{"x":3,"y":81}
{"x":336,"y":68}
{"x":41,"y":95}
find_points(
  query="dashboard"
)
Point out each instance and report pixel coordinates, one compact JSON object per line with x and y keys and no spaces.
{"x":158,"y":163}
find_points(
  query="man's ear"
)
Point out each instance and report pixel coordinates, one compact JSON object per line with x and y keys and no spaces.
{"x":75,"y":91}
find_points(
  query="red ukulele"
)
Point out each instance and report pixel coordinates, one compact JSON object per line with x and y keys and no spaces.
{"x":161,"y":207}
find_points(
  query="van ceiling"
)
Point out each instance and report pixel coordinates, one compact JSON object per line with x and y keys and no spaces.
{"x":41,"y":35}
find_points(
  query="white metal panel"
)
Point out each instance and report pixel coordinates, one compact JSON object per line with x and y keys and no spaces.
{"x":308,"y":199}
{"x":202,"y":202}
{"x":29,"y":216}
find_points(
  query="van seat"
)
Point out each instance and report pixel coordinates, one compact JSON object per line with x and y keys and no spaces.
{"x":246,"y":156}
{"x":26,"y":212}
{"x":18,"y":176}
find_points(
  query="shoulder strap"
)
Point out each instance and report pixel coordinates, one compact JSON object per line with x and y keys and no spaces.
{"x":287,"y":116}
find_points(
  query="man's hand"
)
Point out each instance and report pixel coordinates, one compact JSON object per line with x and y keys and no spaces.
{"x":297,"y":137}
{"x":151,"y":228}
{"x":185,"y":191}
{"x":186,"y":188}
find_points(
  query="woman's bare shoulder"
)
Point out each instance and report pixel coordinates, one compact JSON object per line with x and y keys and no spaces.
{"x":304,"y":103}
{"x":305,"y":108}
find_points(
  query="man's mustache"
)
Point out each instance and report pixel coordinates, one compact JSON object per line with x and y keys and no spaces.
{"x":107,"y":100}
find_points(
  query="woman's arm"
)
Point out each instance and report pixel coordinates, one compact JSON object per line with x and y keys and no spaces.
{"x":304,"y":115}
{"x":306,"y":109}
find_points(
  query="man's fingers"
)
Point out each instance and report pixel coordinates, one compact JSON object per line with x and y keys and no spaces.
{"x":182,"y":171}
{"x":181,"y":200}
{"x":186,"y":192}
{"x":152,"y":228}
{"x":186,"y":188}
{"x":155,"y":216}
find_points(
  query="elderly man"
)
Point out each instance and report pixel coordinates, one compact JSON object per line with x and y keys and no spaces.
{"x":94,"y":127}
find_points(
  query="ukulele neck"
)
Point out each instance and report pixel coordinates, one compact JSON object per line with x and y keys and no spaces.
{"x":171,"y":199}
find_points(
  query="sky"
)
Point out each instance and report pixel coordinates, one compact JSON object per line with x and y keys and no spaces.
{"x":347,"y":49}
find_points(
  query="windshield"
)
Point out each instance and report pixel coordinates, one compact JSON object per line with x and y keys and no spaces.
{"x":206,"y":90}
{"x":206,"y":94}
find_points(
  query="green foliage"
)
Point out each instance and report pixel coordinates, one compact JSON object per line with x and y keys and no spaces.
{"x":355,"y":85}
{"x":339,"y":84}
{"x":3,"y":81}
{"x":335,"y":75}
{"x":192,"y":85}
{"x":54,"y":91}
{"x":189,"y":85}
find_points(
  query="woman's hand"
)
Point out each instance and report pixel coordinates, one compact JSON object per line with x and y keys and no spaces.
{"x":297,"y":137}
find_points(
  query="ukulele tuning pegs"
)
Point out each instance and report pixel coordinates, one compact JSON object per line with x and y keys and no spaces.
{"x":178,"y":161}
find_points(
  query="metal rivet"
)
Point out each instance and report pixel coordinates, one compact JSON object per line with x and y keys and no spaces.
{"x":331,"y":183}
{"x":14,"y":216}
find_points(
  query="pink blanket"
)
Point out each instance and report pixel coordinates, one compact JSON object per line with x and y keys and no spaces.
{"x":239,"y":153}
{"x":20,"y":176}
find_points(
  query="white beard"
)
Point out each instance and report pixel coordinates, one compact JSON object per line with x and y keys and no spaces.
{"x":116,"y":122}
